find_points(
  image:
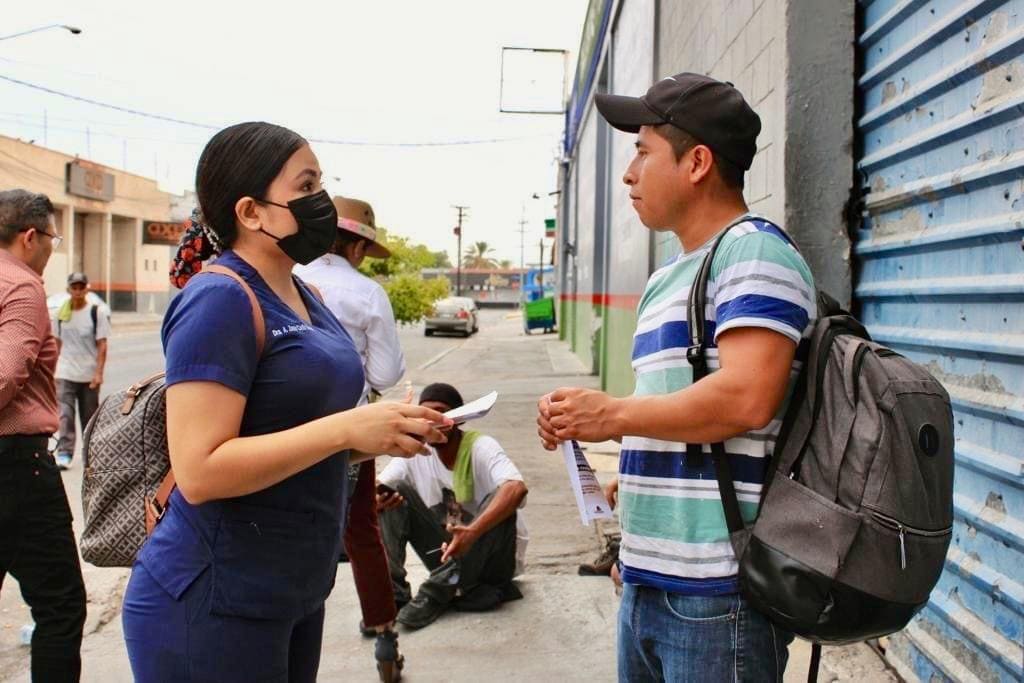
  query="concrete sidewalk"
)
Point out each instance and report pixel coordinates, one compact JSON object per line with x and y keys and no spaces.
{"x":564,"y":628}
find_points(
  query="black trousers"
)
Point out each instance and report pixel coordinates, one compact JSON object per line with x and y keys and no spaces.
{"x":491,"y":560}
{"x":37,"y":547}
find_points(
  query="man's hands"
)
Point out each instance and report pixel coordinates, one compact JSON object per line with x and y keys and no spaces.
{"x":611,"y":492}
{"x":97,"y":380}
{"x":463,"y":538}
{"x":388,"y":499}
{"x":580,"y":414}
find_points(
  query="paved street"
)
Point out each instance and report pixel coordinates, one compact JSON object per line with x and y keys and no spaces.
{"x":564,"y":627}
{"x":135,"y":354}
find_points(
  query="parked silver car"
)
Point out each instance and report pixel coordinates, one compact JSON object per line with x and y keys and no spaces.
{"x":454,"y":314}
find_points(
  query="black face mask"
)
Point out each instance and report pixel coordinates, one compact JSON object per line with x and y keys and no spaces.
{"x":318,"y":225}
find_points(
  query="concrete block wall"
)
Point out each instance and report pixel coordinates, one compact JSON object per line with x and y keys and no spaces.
{"x":585,"y":169}
{"x":743,"y":42}
{"x":632,"y":71}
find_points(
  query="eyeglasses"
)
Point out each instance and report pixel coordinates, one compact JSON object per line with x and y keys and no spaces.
{"x":57,"y":239}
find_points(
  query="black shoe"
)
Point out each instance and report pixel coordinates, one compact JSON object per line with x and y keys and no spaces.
{"x":481,"y":598}
{"x":421,"y":611}
{"x":365,"y":631}
{"x":389,"y":661}
{"x":509,"y":592}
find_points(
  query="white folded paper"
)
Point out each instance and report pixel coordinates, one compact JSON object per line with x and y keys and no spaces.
{"x":474,"y":410}
{"x":589,"y":496}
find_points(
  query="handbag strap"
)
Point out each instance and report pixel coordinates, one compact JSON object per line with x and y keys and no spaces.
{"x":157,"y":505}
{"x":257,"y":310}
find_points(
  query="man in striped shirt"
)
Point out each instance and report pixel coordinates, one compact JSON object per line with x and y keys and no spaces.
{"x":682,"y":617}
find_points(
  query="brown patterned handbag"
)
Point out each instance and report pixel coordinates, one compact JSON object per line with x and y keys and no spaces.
{"x":128,"y":478}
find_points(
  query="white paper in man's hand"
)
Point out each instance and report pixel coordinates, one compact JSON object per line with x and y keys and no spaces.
{"x":589,"y":496}
{"x":474,"y":410}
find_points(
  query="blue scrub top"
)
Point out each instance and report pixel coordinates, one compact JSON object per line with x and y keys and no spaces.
{"x":273,"y":554}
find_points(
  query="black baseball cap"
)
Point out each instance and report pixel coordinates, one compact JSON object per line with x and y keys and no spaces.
{"x":442,"y":393}
{"x":713,"y":112}
{"x":78,"y":279}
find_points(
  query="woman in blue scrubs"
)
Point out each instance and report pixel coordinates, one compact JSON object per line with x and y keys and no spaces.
{"x":232,"y":583}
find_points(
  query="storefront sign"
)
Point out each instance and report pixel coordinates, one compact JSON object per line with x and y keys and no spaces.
{"x":162,"y":233}
{"x":86,"y":181}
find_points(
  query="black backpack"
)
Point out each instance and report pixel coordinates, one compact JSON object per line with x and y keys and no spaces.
{"x":856,"y":510}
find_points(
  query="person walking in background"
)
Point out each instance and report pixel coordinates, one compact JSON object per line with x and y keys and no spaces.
{"x":37,"y":545}
{"x":82,"y":329}
{"x":232,"y":583}
{"x":363,"y":309}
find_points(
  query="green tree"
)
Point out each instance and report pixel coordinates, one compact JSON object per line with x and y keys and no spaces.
{"x":504,"y":263}
{"x":477,"y":256}
{"x":441,"y":260}
{"x":411,"y":296}
{"x":406,"y":257}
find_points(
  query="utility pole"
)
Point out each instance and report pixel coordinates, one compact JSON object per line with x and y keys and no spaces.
{"x":522,"y":254}
{"x":463,"y":212}
{"x":540,"y":269}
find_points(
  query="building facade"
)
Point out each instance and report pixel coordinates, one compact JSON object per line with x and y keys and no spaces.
{"x":892,"y":149}
{"x":118,"y":227}
{"x":489,"y":287}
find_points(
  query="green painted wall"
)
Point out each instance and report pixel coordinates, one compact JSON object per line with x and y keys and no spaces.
{"x":616,"y":366}
{"x":565,"y":320}
{"x":582,"y":316}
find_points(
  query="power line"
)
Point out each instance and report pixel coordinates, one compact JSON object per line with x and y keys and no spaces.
{"x":322,"y":141}
{"x":105,"y":105}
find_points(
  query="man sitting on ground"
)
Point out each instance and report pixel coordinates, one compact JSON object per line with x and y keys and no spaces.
{"x":457,"y":507}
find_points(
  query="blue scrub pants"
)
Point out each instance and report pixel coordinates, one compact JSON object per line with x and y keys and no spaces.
{"x":180,"y":640}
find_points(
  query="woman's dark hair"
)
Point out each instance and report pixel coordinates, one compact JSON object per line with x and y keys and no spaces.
{"x":239,"y":161}
{"x":343,"y":239}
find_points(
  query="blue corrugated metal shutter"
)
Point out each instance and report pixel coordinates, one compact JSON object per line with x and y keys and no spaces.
{"x":941,"y":279}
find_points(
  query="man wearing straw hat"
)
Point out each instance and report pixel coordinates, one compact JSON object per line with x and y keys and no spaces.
{"x":362,"y":307}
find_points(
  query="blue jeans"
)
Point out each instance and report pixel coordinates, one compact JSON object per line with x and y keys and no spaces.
{"x":683,"y":638}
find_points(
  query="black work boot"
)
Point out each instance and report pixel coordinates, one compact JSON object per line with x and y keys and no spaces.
{"x":422,"y":611}
{"x":389,"y":660}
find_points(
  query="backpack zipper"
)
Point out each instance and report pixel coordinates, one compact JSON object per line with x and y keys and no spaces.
{"x":903,"y":530}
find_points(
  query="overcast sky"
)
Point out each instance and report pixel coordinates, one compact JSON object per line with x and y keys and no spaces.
{"x":381,"y":72}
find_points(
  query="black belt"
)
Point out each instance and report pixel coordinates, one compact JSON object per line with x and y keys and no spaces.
{"x":22,"y":441}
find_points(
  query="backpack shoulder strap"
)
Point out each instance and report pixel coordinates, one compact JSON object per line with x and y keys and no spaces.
{"x":696,"y":354}
{"x":156,"y":506}
{"x":257,"y":311}
{"x":93,"y":314}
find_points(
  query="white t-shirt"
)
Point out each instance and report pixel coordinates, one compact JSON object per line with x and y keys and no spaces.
{"x":491,"y":468}
{"x":77,"y":362}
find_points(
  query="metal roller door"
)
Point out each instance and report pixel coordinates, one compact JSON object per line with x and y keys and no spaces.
{"x":941,"y":279}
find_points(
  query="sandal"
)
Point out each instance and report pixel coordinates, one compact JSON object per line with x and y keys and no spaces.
{"x":389,"y":661}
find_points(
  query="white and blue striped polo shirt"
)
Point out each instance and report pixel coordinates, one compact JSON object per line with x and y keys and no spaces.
{"x":674,"y":535}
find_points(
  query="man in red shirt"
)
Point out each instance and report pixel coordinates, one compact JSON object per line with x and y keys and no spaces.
{"x":37,"y":545}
